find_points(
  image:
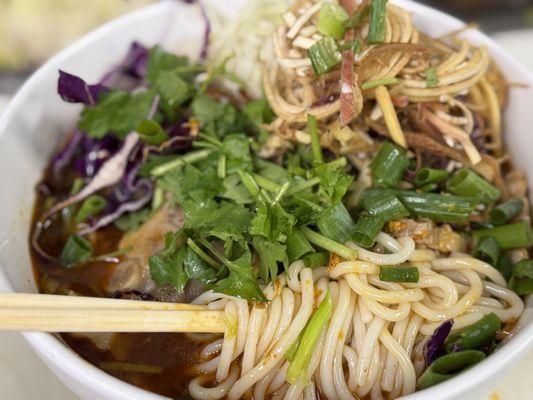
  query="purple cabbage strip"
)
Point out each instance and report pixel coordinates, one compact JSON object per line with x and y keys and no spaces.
{"x":130,"y":206}
{"x":207,"y":34}
{"x":65,"y":155}
{"x":131,"y":71}
{"x":435,"y":343}
{"x":73,"y":89}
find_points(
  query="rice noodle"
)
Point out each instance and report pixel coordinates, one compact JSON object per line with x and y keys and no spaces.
{"x":367,"y":347}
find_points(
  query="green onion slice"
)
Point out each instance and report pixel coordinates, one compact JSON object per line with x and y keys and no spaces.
{"x":510,"y":236}
{"x":506,"y":211}
{"x":366,"y":230}
{"x":77,"y":250}
{"x":448,"y":366}
{"x":315,"y":260}
{"x":399,"y":274}
{"x":389,"y":165}
{"x":426,"y":176}
{"x":91,"y":207}
{"x":488,"y":250}
{"x":376,"y":30}
{"x":476,"y":335}
{"x":300,"y":363}
{"x":324,"y":55}
{"x":331,"y":20}
{"x":466,"y":183}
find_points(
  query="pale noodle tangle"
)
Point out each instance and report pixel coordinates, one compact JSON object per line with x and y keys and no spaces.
{"x":373,"y":342}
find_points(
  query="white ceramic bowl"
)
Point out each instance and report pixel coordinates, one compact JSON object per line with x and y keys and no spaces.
{"x":37,"y":119}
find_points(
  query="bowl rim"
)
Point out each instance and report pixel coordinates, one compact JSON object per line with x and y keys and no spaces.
{"x":53,"y":349}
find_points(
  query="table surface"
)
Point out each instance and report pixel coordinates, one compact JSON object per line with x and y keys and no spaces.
{"x":19,"y":364}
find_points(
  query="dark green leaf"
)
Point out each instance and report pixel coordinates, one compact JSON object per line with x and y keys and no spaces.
{"x":116,"y":112}
{"x":198,"y":269}
{"x":334,"y":182}
{"x":167,"y":266}
{"x":270,"y":254}
{"x":272,"y":222}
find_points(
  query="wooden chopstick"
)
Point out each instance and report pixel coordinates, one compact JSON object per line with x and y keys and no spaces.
{"x":47,"y":313}
{"x":29,"y":300}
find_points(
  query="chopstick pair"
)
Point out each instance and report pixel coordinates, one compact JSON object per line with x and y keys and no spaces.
{"x":53,"y":313}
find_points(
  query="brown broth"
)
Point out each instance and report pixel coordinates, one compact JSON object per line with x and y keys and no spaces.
{"x":174,"y":353}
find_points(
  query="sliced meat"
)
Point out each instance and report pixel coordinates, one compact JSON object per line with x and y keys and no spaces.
{"x":133,"y":273}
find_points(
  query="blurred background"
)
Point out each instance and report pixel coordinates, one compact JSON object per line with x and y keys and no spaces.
{"x":33,"y":30}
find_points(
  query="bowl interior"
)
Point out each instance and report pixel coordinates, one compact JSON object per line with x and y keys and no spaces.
{"x":37,"y":120}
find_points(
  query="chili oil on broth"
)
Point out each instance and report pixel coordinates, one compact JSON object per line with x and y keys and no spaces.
{"x":172,"y":355}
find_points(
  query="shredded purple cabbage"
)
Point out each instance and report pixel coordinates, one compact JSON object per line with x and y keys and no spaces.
{"x":207,"y":34}
{"x":91,"y":153}
{"x":435,"y":343}
{"x":129,"y":74}
{"x":73,"y":89}
{"x":140,"y":198}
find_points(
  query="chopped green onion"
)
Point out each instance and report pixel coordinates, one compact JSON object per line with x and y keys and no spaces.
{"x":389,"y":165}
{"x":366,"y":230}
{"x":505,"y":266}
{"x":328,"y":244}
{"x":380,"y":82}
{"x":77,"y":185}
{"x":289,"y":355}
{"x":315,"y":260}
{"x":488,"y":250}
{"x":448,"y":366}
{"x":357,"y":18}
{"x":437,"y":207}
{"x":336,"y":223}
{"x":385,"y":206}
{"x":324,"y":55}
{"x":315,"y":139}
{"x":317,"y":323}
{"x":508,"y":236}
{"x":473,"y":337}
{"x":426,"y":175}
{"x":75,"y":251}
{"x":399,"y":274}
{"x":376,"y":30}
{"x":188,"y":158}
{"x":151,"y":132}
{"x":298,"y":245}
{"x":91,"y":207}
{"x":466,"y":183}
{"x":506,"y":211}
{"x":522,"y":278}
{"x":331,"y":20}
{"x":432,"y":78}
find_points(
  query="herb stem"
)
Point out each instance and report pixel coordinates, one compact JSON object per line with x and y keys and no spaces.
{"x":266,"y":184}
{"x":282,"y":191}
{"x":202,"y":254}
{"x":188,"y":158}
{"x":315,"y":139}
{"x":301,"y":186}
{"x":328,"y":244}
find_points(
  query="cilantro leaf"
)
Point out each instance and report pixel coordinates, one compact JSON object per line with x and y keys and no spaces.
{"x":191,"y":183}
{"x":198,"y":269}
{"x":206,"y":109}
{"x":167,"y":266}
{"x":173,"y":89}
{"x":236,"y":147}
{"x":272,"y":222}
{"x":117,"y":112}
{"x":241,"y":282}
{"x":270,"y":254}
{"x":224,"y":220}
{"x":160,"y":61}
{"x":334,"y":182}
{"x":235,"y":190}
{"x":272,"y":171}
